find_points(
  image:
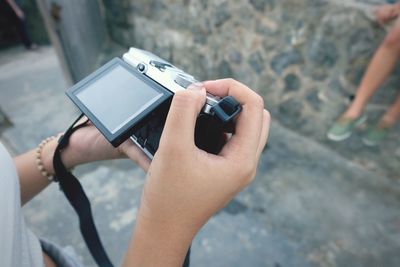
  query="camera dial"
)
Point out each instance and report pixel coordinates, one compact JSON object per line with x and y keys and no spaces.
{"x":141,"y":67}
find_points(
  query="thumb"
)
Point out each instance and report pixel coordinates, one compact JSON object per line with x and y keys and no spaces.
{"x":181,"y":120}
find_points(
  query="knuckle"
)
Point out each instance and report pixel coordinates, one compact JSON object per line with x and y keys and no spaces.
{"x":180,"y":97}
{"x":230,"y":80}
{"x":258,"y":101}
{"x":186,"y":98}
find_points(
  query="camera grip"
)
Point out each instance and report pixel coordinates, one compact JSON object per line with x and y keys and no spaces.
{"x":209,"y":134}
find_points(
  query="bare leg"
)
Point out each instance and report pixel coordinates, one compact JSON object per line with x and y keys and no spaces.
{"x":392,"y":115}
{"x":379,"y":132}
{"x":382,"y":63}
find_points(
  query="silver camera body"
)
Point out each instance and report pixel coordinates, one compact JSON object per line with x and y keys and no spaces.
{"x":130,"y":98}
{"x":164,"y":73}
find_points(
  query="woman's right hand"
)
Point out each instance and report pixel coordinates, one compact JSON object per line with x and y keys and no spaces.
{"x":185,"y":186}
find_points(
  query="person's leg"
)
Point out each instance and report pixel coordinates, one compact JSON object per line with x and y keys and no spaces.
{"x":377,"y":133}
{"x":392,"y":115}
{"x":381,"y":65}
{"x":19,"y":24}
{"x":23,"y":33}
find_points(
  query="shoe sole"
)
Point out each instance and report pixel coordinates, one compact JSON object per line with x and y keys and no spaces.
{"x":342,"y":137}
{"x":368,"y":143}
{"x":338,"y":138}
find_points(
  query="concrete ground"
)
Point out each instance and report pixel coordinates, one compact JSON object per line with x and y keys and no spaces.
{"x":309,"y":206}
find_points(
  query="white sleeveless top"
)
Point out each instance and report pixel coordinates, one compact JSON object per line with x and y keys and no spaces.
{"x":18,"y":246}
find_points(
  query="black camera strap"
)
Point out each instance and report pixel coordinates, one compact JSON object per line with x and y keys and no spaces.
{"x":76,"y":196}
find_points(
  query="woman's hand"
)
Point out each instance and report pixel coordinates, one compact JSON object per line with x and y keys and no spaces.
{"x":386,"y":12}
{"x":87,"y":144}
{"x":20,"y":14}
{"x":185,"y":186}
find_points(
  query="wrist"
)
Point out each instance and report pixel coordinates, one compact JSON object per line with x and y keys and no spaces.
{"x":157,"y":243}
{"x":47,"y":155}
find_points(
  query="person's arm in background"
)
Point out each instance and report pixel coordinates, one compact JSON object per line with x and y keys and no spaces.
{"x":185,"y":186}
{"x":86,"y":145}
{"x":18,"y":11}
{"x":385,"y":13}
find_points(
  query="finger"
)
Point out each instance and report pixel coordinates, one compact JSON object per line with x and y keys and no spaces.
{"x":264,"y":132}
{"x":231,"y":87}
{"x":133,"y":152}
{"x":249,"y":121}
{"x":143,"y":161}
{"x":180,"y":124}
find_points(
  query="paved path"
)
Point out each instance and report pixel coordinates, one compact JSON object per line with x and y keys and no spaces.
{"x":308,"y":206}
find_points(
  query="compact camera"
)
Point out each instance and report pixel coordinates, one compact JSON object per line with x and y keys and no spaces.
{"x":130,"y":98}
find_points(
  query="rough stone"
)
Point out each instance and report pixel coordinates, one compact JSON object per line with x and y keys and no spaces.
{"x":354,"y":74}
{"x":222,"y":14}
{"x":122,"y":36}
{"x":336,"y":86}
{"x":201,"y":33}
{"x":224,"y":69}
{"x":204,"y":3}
{"x":260,"y":5}
{"x":116,"y":14}
{"x":322,"y":52}
{"x":283,"y":60}
{"x":264,"y":29}
{"x":361,"y":43}
{"x":292,"y":82}
{"x":313,"y":100}
{"x":290,"y":112}
{"x":234,"y":56}
{"x":257,"y":62}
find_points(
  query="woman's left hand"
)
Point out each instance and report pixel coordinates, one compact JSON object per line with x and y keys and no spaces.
{"x":88,"y":145}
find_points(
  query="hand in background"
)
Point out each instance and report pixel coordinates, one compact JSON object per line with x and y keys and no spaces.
{"x":18,"y":11}
{"x":386,"y":12}
{"x":185,"y":186}
{"x":20,"y":14}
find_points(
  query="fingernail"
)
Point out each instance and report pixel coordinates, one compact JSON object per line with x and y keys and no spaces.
{"x":196,"y":86}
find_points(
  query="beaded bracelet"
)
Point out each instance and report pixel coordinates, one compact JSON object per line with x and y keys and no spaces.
{"x":39,"y":161}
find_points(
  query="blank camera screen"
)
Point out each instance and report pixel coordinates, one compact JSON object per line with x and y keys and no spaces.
{"x":117,"y":97}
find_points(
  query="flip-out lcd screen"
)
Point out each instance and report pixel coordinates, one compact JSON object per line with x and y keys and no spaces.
{"x":116,"y":97}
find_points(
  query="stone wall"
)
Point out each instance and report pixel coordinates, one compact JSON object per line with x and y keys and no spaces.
{"x":304,"y":56}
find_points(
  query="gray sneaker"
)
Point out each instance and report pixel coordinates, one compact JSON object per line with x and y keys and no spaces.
{"x":343,"y":128}
{"x":375,"y":135}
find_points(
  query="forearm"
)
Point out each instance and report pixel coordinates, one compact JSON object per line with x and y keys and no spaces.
{"x":32,"y":181}
{"x":157,"y":244}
